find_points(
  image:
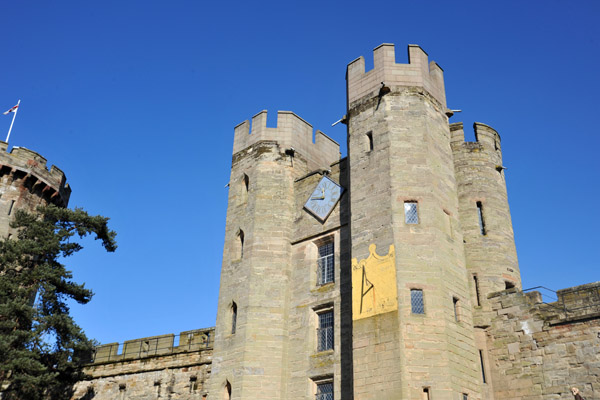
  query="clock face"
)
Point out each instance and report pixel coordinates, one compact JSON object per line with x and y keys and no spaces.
{"x":324,"y":198}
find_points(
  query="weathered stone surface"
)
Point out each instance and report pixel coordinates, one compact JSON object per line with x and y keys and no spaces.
{"x":153,"y":367}
{"x":538,"y":350}
{"x":472,"y":338}
{"x":26,"y":183}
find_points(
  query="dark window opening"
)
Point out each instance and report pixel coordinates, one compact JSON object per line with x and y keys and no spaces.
{"x":227,"y":390}
{"x":233,"y":317}
{"x":370,"y":141}
{"x":246,"y":182}
{"x":426,"y":394}
{"x":456,"y":313}
{"x":239,"y":246}
{"x":482,"y":367}
{"x":508,"y":285}
{"x":481,"y":220}
{"x":477,"y":296}
{"x":193,"y":384}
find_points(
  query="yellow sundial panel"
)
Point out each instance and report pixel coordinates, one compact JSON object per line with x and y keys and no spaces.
{"x":374,"y":284}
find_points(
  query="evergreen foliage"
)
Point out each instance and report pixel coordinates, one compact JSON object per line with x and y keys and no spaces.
{"x":41,"y":347}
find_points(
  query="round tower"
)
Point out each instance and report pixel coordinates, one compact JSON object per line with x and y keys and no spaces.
{"x":404,"y":197}
{"x":484,"y":213}
{"x":26,"y":183}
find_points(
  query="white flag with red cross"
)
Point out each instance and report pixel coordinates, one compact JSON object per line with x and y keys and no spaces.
{"x":13,"y":109}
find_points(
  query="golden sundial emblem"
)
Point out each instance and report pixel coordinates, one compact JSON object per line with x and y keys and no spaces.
{"x":374,"y":284}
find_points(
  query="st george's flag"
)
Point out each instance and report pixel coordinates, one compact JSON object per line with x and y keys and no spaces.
{"x":13,"y":109}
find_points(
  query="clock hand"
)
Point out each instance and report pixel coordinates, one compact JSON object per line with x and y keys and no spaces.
{"x":322,"y":195}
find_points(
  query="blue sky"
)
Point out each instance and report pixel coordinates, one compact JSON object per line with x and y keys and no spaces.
{"x":136,"y":101}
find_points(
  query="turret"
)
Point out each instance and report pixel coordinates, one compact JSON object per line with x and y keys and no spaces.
{"x":26,"y":183}
{"x":404,"y":198}
{"x":484,"y":213}
{"x":253,"y":328}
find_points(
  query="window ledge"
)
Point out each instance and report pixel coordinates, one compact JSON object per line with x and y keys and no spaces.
{"x":324,"y":353}
{"x":324,"y":287}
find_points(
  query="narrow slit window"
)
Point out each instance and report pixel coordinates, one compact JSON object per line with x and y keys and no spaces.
{"x":416,"y":301}
{"x":456,"y":310}
{"x":245,"y":186}
{"x":324,"y":391}
{"x":326,"y":263}
{"x":449,"y":223}
{"x":481,"y":220}
{"x":10,"y":208}
{"x":246,"y":183}
{"x":465,"y":396}
{"x":476,"y":284}
{"x":193,"y":384}
{"x":411,"y":212}
{"x":369,"y":141}
{"x":233,"y":317}
{"x":426,"y":393}
{"x":482,"y":366}
{"x":227,"y":391}
{"x":239,"y":246}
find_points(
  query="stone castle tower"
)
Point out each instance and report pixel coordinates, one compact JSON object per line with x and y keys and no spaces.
{"x":388,"y":274}
{"x":26,"y":183}
{"x":419,"y":238}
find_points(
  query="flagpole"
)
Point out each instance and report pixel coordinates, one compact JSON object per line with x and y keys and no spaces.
{"x":13,"y":121}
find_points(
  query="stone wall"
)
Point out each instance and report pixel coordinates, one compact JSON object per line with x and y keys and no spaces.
{"x":540,"y":350}
{"x":150,"y":368}
{"x":26,"y":183}
{"x":399,"y":155}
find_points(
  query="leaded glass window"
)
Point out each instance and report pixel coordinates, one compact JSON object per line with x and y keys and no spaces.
{"x":325,"y":391}
{"x":411,"y":213}
{"x":416,"y":301}
{"x":326,"y":263}
{"x":325,"y":331}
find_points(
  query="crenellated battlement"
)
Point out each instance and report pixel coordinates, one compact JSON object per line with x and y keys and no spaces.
{"x":291,"y":131}
{"x":418,"y":72}
{"x":486,"y":137}
{"x":194,"y":340}
{"x":30,"y":168}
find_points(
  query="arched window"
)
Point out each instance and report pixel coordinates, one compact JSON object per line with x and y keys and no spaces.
{"x":241,"y":240}
{"x":238,"y":246}
{"x":244,"y":188}
{"x":227,"y":391}
{"x":369,"y":141}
